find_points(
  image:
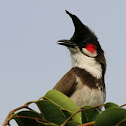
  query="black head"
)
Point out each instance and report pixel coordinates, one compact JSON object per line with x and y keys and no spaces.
{"x":83,"y":39}
{"x":84,"y":45}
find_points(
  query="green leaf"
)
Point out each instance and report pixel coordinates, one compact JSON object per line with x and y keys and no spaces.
{"x":51,"y":112}
{"x":26,"y":121}
{"x":110,"y":117}
{"x":89,"y":115}
{"x":63,"y":102}
{"x":66,"y":113}
{"x":72,"y":123}
{"x":110,"y":105}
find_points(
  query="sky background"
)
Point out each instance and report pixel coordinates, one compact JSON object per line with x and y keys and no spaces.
{"x":31,"y":62}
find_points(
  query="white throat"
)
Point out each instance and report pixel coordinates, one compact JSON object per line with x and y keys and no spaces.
{"x":87,"y":63}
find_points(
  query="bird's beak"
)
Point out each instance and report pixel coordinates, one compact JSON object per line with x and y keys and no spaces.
{"x":67,"y":43}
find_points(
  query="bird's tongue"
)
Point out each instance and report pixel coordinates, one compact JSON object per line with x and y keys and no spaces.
{"x":90,"y":47}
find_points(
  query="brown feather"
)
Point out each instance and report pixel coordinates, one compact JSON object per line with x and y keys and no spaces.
{"x":68,"y":84}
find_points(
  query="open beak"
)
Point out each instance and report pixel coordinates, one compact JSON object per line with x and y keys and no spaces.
{"x":67,"y":43}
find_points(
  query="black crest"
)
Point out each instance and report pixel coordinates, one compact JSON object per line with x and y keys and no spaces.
{"x":82,"y":32}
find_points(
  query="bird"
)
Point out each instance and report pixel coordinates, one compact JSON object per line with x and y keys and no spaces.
{"x":84,"y":83}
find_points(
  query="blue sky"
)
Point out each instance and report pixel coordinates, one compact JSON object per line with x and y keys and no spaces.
{"x":31,"y":62}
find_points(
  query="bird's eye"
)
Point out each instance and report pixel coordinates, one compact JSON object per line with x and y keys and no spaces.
{"x":84,"y":43}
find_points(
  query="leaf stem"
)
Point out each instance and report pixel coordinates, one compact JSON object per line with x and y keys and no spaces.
{"x":80,"y":111}
{"x":6,"y":122}
{"x":88,"y":124}
{"x":36,"y":119}
{"x":122,"y":105}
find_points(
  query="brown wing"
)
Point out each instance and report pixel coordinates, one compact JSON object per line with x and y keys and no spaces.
{"x":67,"y":84}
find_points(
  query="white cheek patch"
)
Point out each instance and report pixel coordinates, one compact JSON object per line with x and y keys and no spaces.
{"x":88,"y":53}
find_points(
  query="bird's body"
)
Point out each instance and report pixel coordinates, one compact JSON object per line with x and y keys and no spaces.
{"x":84,"y":83}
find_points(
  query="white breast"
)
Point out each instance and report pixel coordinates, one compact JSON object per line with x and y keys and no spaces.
{"x":87,"y":96}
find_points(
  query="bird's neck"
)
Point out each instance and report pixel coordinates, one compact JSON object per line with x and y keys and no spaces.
{"x":88,"y":64}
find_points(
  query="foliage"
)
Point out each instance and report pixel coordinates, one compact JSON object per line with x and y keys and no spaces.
{"x":56,"y":109}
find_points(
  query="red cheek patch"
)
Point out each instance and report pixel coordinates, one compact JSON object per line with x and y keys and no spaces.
{"x":90,"y":47}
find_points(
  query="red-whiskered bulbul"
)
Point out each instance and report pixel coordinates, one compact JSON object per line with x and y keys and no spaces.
{"x":84,"y":83}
